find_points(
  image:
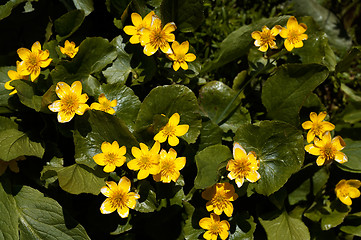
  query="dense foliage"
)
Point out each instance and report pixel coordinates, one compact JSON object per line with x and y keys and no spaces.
{"x":180,"y":119}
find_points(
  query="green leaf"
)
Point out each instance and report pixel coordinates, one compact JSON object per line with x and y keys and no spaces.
{"x":316,"y":48}
{"x":348,"y":59}
{"x":9,"y":228}
{"x":5,"y":9}
{"x":26,"y":92}
{"x":94,"y":128}
{"x":120,"y":69}
{"x":211,"y":134}
{"x":168,"y":100}
{"x":284,"y":92}
{"x":43,"y":218}
{"x":279,"y":147}
{"x":327,"y":21}
{"x":94,"y":54}
{"x":209,"y":162}
{"x":68,"y":23}
{"x":338,"y":213}
{"x":352,"y":224}
{"x":85,"y":5}
{"x":244,"y":227}
{"x":186,"y":14}
{"x":78,"y":178}
{"x":148,"y":200}
{"x":284,"y":226}
{"x":4,"y":93}
{"x":353,"y":152}
{"x":238,"y":43}
{"x":14,"y":143}
{"x":191,"y":228}
{"x":214,"y":97}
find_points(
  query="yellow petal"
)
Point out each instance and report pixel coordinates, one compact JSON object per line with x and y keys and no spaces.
{"x":180,"y":163}
{"x":284,"y":33}
{"x":63,"y":117}
{"x":76,"y":88}
{"x":107,"y":207}
{"x":137,"y":153}
{"x":180,"y":130}
{"x":228,"y":209}
{"x":165,"y":48}
{"x":62,"y":89}
{"x":123,"y":212}
{"x":239,"y":181}
{"x":149,"y":49}
{"x":327,"y":126}
{"x":288,"y":45}
{"x":298,"y":44}
{"x":106,"y":191}
{"x":55,"y":106}
{"x":340,"y":157}
{"x":263,"y":48}
{"x":307,"y":125}
{"x":95,"y":106}
{"x":314,"y":117}
{"x":190,"y":57}
{"x":338,"y":143}
{"x":35,"y":74}
{"x":99,"y":159}
{"x":310,"y":136}
{"x":354,"y":193}
{"x":205,"y":223}
{"x":130,"y":30}
{"x":223,"y":233}
{"x":302,"y":28}
{"x":276,"y":30}
{"x":133,"y":165}
{"x":136,"y":19}
{"x":256,"y":35}
{"x":160,"y":137}
{"x":184,"y":47}
{"x":320,"y":160}
{"x":24,"y":53}
{"x":175,"y":47}
{"x":253,"y":176}
{"x":122,"y":151}
{"x":354,"y":183}
{"x":155,"y":149}
{"x":124,"y":184}
{"x":169,"y":27}
{"x":173,"y":140}
{"x":176,"y":66}
{"x":346,"y":200}
{"x":110,"y":167}
{"x":106,"y":147}
{"x":312,"y":149}
{"x":142,"y":174}
{"x":81,"y":109}
{"x":184,"y":65}
{"x":36,"y":47}
{"x":292,"y":23}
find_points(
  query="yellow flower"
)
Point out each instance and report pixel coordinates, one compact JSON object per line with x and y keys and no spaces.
{"x":172,"y":131}
{"x":69,"y":49}
{"x":71,"y":101}
{"x":118,"y":197}
{"x":327,"y":150}
{"x":215,"y":227}
{"x":170,"y":166}
{"x":139,"y":24}
{"x":180,"y":55}
{"x":111,"y":157}
{"x":14,"y":75}
{"x":12,"y":164}
{"x":104,"y":104}
{"x":317,"y":126}
{"x":347,"y":189}
{"x":243,"y":166}
{"x":157,"y":37}
{"x":266,"y":37}
{"x":146,"y":161}
{"x":294,"y":34}
{"x":219,"y":198}
{"x":33,"y":60}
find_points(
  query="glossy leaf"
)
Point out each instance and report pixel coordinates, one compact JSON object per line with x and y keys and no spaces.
{"x":284,"y":92}
{"x":284,"y":226}
{"x":85,"y":5}
{"x":214,"y":97}
{"x":209,"y":162}
{"x":68,"y":23}
{"x":279,"y":147}
{"x":26,"y":92}
{"x":353,"y":152}
{"x":14,"y":143}
{"x":6,"y":9}
{"x":168,"y":100}
{"x":244,"y":227}
{"x":77,"y":178}
{"x":96,"y":127}
{"x":9,"y":228}
{"x":211,"y":134}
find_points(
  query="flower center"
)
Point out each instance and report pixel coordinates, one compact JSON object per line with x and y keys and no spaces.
{"x":293,"y":36}
{"x":242,"y":167}
{"x":105,"y":105}
{"x":157,"y":38}
{"x":267,"y":37}
{"x":328,"y":152}
{"x":215,"y":228}
{"x":118,"y":199}
{"x":169,"y":130}
{"x":70,"y":103}
{"x":111,"y":158}
{"x":167,"y":168}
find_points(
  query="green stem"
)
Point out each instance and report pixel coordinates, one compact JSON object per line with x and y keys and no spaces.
{"x":221,"y":117}
{"x":190,"y":194}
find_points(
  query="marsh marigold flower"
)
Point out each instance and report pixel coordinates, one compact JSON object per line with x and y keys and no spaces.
{"x":111,"y":157}
{"x":219,"y":198}
{"x":157,"y":37}
{"x":69,"y":49}
{"x":169,"y":166}
{"x":104,"y":104}
{"x":14,"y":75}
{"x":294,"y":34}
{"x":172,"y":131}
{"x":215,"y":227}
{"x":146,"y":161}
{"x":266,"y":37}
{"x":180,"y":57}
{"x":317,"y":126}
{"x":33,"y":61}
{"x":347,"y":189}
{"x":139,"y":24}
{"x":327,"y":150}
{"x":71,"y":102}
{"x":243,"y":166}
{"x":119,"y":197}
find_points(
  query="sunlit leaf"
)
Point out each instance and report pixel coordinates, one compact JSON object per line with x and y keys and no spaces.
{"x":68,"y":23}
{"x":85,"y":5}
{"x":353,"y":152}
{"x":9,"y":228}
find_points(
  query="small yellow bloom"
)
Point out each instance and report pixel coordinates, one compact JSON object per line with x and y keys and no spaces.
{"x":33,"y":60}
{"x":14,"y":75}
{"x":157,"y":37}
{"x":347,"y":189}
{"x":170,"y":166}
{"x":104,"y":104}
{"x":266,"y":37}
{"x":69,"y":49}
{"x":12,"y":164}
{"x":111,"y":157}
{"x":180,"y":55}
{"x":172,"y":131}
{"x":215,"y":227}
{"x":317,"y":126}
{"x":139,"y":24}
{"x":294,"y":34}
{"x":71,"y":102}
{"x":219,"y":198}
{"x":146,"y":161}
{"x":243,"y":166}
{"x":118,"y":197}
{"x":327,"y":150}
